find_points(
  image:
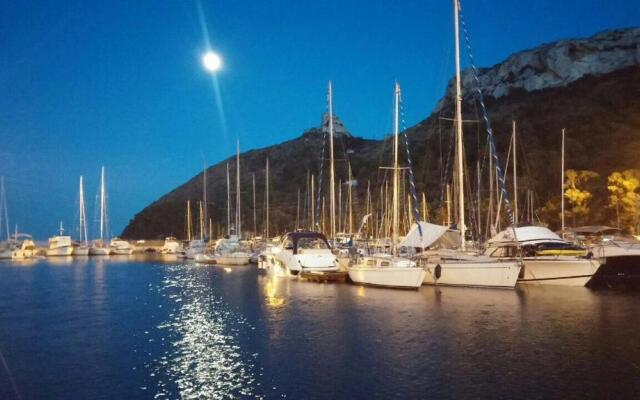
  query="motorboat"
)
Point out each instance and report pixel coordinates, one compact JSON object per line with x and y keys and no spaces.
{"x":171,"y":246}
{"x":303,"y":251}
{"x":60,"y":245}
{"x":120,"y":247}
{"x":230,"y":251}
{"x":25,"y":247}
{"x":547,"y":258}
{"x":617,"y":252}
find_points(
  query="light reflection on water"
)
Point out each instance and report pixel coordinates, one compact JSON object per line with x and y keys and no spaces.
{"x":202,"y":357}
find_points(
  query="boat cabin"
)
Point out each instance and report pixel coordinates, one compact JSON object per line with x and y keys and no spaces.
{"x":298,"y":242}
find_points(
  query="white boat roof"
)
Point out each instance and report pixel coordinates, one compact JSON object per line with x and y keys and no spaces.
{"x":526,"y":234}
{"x":423,"y":237}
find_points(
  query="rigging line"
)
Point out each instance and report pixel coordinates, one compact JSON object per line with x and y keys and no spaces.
{"x":412,"y":181}
{"x":485,"y":115}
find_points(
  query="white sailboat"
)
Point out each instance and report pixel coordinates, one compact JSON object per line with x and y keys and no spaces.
{"x":100,"y":247}
{"x":458,"y":267}
{"x":229,"y":251}
{"x":8,"y":246}
{"x":60,"y":245}
{"x":196,"y":246}
{"x":82,"y":248}
{"x":389,"y":270}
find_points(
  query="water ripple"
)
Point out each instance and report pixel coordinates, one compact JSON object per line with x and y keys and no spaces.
{"x":203,"y":358}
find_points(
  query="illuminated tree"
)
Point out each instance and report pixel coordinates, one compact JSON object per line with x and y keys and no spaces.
{"x":624,"y":197}
{"x":576,"y":192}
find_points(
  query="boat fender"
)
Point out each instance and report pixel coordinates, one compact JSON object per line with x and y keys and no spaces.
{"x":521,"y":273}
{"x":438,"y":271}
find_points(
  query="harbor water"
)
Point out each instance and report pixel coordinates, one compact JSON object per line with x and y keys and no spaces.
{"x":132,"y":328}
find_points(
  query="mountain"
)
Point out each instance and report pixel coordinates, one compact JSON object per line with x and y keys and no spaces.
{"x":589,"y":86}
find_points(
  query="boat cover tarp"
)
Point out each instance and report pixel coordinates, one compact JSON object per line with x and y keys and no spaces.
{"x":430,"y":233}
{"x":526,"y":234}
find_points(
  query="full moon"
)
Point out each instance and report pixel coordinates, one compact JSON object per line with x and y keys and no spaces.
{"x":212,"y":62}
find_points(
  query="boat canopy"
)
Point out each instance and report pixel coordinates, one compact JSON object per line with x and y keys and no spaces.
{"x":296,"y":237}
{"x":423,"y":237}
{"x":526,"y":234}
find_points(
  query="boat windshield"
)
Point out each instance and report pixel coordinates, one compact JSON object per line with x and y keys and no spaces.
{"x":316,"y":243}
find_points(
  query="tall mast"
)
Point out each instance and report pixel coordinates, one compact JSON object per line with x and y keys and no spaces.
{"x":562,"y":186}
{"x":350,"y":197}
{"x":313,"y":206}
{"x":515,"y":173}
{"x":3,"y":208}
{"x":189,"y":220}
{"x":396,"y":111}
{"x":255,"y":224}
{"x":201,"y":222}
{"x":458,"y":123}
{"x":340,"y":228}
{"x":332,"y":178}
{"x":238,"y":216}
{"x":102,"y":204}
{"x":204,"y":190}
{"x":266,"y":194}
{"x":228,"y":203}
{"x":298,"y":211}
{"x":83,"y":218}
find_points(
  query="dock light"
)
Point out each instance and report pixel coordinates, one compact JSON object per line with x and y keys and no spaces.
{"x":211,"y":61}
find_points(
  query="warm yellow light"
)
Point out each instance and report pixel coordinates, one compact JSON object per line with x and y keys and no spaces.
{"x":211,"y":61}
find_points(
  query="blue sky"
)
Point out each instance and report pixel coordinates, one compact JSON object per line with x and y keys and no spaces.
{"x":120,"y":83}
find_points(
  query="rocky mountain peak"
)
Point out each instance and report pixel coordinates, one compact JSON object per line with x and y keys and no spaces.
{"x":555,"y":64}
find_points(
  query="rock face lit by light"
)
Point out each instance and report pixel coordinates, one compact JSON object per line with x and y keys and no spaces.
{"x":211,"y":61}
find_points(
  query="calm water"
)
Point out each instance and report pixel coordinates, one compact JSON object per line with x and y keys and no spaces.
{"x":116,"y":329}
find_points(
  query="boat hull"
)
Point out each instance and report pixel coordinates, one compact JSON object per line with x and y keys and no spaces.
{"x":81,"y":251}
{"x":232,"y":260}
{"x":474,"y":274}
{"x":392,"y":277}
{"x":557,"y":271}
{"x":617,"y":272}
{"x":99,"y":251}
{"x":60,"y":251}
{"x":122,"y":252}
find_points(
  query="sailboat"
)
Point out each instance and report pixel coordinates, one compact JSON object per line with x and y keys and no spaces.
{"x":196,"y":246}
{"x":7,"y":247}
{"x":99,"y":247}
{"x":229,"y":251}
{"x":383,"y":269}
{"x":82,"y":247}
{"x":60,"y":245}
{"x":457,"y":267}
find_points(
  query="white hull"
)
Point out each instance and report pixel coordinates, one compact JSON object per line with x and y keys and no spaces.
{"x":99,"y":251}
{"x":557,"y":271}
{"x":122,"y":252}
{"x":81,"y":251}
{"x":396,"y":277}
{"x":233,"y":259}
{"x":60,"y":251}
{"x":5,"y":254}
{"x":477,"y":274}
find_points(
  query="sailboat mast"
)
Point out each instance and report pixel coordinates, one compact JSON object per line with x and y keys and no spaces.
{"x":396,"y":111}
{"x":3,"y":210}
{"x":313,"y":206}
{"x":201,"y":222}
{"x":228,"y":204}
{"x":458,"y":123}
{"x":332,"y":178}
{"x":255,"y":224}
{"x":102,"y":204}
{"x":562,"y":185}
{"x":350,"y":197}
{"x":189,"y":220}
{"x":204,"y":190}
{"x":83,"y":217}
{"x":238,"y":216}
{"x":266,"y":188}
{"x":515,"y":172}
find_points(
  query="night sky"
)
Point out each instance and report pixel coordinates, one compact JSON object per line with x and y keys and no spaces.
{"x":121,"y":84}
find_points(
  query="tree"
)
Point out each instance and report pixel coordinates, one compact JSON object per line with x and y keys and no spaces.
{"x":576,"y":192}
{"x":624,"y":197}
